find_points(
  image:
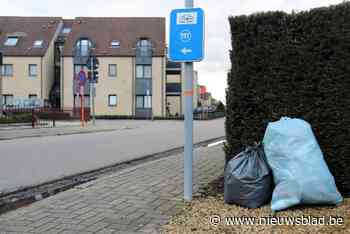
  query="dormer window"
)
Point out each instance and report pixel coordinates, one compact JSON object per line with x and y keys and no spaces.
{"x":115,"y":44}
{"x":144,"y":43}
{"x":38,"y":43}
{"x":83,"y":47}
{"x":145,"y":47}
{"x":11,"y":41}
{"x":66,"y":30}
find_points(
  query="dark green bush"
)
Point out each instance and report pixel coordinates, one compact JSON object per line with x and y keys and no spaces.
{"x":295,"y":65}
{"x":220,"y":107}
{"x":16,"y":118}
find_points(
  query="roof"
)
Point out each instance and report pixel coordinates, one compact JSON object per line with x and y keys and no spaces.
{"x":29,"y":29}
{"x":126,"y":30}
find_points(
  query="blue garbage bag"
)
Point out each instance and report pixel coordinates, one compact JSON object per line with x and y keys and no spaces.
{"x":301,"y":175}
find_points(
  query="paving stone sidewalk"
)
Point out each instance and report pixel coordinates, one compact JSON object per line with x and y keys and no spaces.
{"x":135,"y":200}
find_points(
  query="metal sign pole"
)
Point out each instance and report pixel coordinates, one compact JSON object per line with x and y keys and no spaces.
{"x":188,"y":152}
{"x":82,"y":113}
{"x":187,"y":46}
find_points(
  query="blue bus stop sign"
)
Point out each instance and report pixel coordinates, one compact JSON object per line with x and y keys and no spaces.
{"x":186,"y":35}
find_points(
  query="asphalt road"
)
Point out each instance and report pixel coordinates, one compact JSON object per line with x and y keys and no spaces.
{"x":30,"y":161}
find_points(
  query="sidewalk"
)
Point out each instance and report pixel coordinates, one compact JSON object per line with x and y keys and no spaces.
{"x":135,"y":200}
{"x":62,"y":128}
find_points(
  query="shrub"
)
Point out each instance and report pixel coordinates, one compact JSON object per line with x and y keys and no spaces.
{"x":220,"y":107}
{"x":16,"y":118}
{"x":294,"y":65}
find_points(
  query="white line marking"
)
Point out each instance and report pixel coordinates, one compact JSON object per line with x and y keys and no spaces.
{"x":216,"y":143}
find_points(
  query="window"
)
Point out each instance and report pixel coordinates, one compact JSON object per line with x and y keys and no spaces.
{"x":83,"y":47}
{"x":8,"y":99}
{"x":32,"y":96}
{"x":38,"y":44}
{"x":173,"y":88}
{"x":143,"y":102}
{"x":147,"y":102}
{"x":145,"y":47}
{"x":7,"y":70}
{"x":147,"y":71}
{"x":32,"y":99}
{"x":144,"y":43}
{"x":112,"y":70}
{"x":112,"y":100}
{"x":139,"y":101}
{"x":115,"y":44}
{"x":33,"y":70}
{"x":11,"y":41}
{"x":139,"y":71}
{"x":66,"y":30}
{"x":143,"y":71}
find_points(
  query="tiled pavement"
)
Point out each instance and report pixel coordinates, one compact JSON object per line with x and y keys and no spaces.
{"x":135,"y":200}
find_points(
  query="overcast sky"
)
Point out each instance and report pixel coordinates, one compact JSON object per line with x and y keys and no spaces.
{"x":213,"y":70}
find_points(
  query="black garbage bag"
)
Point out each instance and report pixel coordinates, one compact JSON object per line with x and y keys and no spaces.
{"x":248,"y":179}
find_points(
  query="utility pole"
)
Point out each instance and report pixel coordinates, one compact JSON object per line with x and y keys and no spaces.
{"x":188,"y":152}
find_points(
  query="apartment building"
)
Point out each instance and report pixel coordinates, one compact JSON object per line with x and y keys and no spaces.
{"x":44,"y":55}
{"x":132,"y":58}
{"x":27,"y":44}
{"x":175,"y":89}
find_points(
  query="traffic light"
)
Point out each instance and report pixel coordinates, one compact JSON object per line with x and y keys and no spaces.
{"x":93,"y":65}
{"x":95,"y":76}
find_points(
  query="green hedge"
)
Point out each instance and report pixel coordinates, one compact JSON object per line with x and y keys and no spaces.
{"x":295,"y":65}
{"x":17,"y":118}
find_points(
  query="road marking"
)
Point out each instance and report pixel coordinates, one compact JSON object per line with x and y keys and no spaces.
{"x":216,"y":143}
